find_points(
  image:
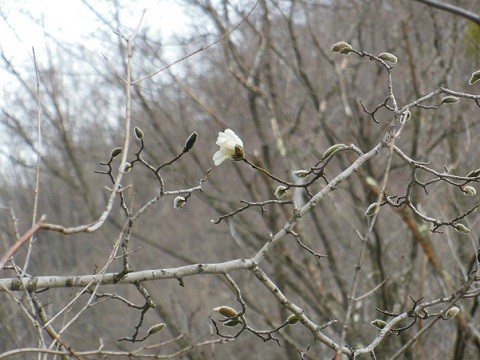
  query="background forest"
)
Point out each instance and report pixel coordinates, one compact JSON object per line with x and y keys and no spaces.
{"x":265,"y":70}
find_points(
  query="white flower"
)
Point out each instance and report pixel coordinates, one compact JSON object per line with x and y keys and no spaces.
{"x":231,"y":146}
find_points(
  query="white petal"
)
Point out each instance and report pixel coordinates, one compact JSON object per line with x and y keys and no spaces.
{"x":221,"y":155}
{"x":234,"y":137}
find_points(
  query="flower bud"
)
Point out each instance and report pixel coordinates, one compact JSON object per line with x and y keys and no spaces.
{"x":379,"y":324}
{"x":346,"y":51}
{"x":461,"y":228}
{"x":450,"y":100}
{"x":407,"y":115}
{"x":190,"y":143}
{"x":388,"y":57}
{"x":372,"y":208}
{"x":331,"y":149}
{"x":156,"y":328}
{"x":292,"y":319}
{"x":475,"y":77}
{"x":301,"y":173}
{"x":138,"y":133}
{"x":281,"y":191}
{"x":179,"y":202}
{"x":226,"y":311}
{"x":232,"y":323}
{"x":469,"y":190}
{"x":338,"y":46}
{"x":127,"y":167}
{"x":452,"y":312}
{"x":239,"y":154}
{"x":115,"y":152}
{"x":474,"y":173}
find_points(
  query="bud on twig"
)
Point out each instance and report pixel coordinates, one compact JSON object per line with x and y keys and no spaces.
{"x":127,"y":167}
{"x":450,"y":100}
{"x":372,"y":208}
{"x":226,"y":311}
{"x":452,"y":312}
{"x":179,"y":202}
{"x":339,"y":46}
{"x":469,"y":190}
{"x":475,"y":77}
{"x":138,"y":133}
{"x":379,"y":324}
{"x":331,"y":149}
{"x":239,"y":154}
{"x":292,"y":319}
{"x":461,"y":228}
{"x":280,"y":192}
{"x":388,"y":57}
{"x":301,"y":173}
{"x":474,"y":173}
{"x":156,"y":328}
{"x":190,"y":143}
{"x":115,"y":152}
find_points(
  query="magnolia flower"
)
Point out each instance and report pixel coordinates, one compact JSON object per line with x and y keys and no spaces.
{"x":231,"y":147}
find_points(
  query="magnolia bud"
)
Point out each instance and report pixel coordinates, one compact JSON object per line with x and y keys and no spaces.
{"x":474,"y":173}
{"x":301,"y":173}
{"x":469,"y":190}
{"x":239,"y":154}
{"x":232,"y":323}
{"x":407,"y":115}
{"x":346,"y":51}
{"x":281,"y":191}
{"x":379,"y":324}
{"x":156,"y":328}
{"x":338,"y":46}
{"x":388,"y":57}
{"x":115,"y":152}
{"x":292,"y":319}
{"x":331,"y":149}
{"x":138,"y":133}
{"x":226,"y":311}
{"x":450,"y":100}
{"x":475,"y":77}
{"x":461,"y":228}
{"x":127,"y":167}
{"x":372,"y":208}
{"x":189,"y":144}
{"x":179,"y":202}
{"x":452,"y":312}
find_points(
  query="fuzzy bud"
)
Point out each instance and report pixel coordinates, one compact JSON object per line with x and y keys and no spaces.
{"x":346,"y":51}
{"x":450,"y":100}
{"x":388,"y":57}
{"x":115,"y":152}
{"x":226,"y":311}
{"x":190,"y":143}
{"x":331,"y":149}
{"x":462,"y":229}
{"x":372,"y":208}
{"x":469,"y":190}
{"x":301,"y":173}
{"x":127,"y":167}
{"x":156,"y":328}
{"x":179,"y":202}
{"x":452,"y":312}
{"x":339,"y":46}
{"x":407,"y":115}
{"x":232,"y":323}
{"x":281,"y":191}
{"x":379,"y":324}
{"x":292,"y":319}
{"x":138,"y":133}
{"x":239,"y":154}
{"x":475,"y":77}
{"x":474,"y":173}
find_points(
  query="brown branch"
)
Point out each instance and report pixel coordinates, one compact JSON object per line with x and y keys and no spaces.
{"x":18,"y":244}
